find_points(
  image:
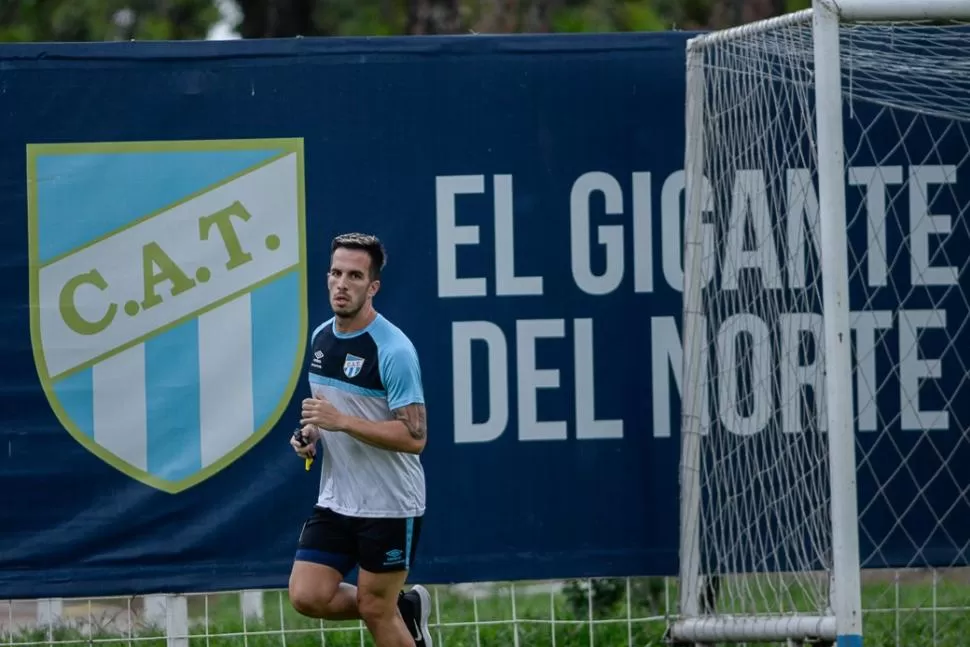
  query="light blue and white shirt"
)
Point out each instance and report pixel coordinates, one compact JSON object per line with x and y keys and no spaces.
{"x":368,"y":374}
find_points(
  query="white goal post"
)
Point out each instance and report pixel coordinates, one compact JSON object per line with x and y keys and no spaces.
{"x":775,"y":390}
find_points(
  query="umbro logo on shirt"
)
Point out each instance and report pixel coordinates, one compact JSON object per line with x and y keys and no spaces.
{"x":317,"y":360}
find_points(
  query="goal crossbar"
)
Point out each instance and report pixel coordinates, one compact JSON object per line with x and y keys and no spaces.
{"x":846,"y":10}
{"x":900,"y":10}
{"x":733,"y":33}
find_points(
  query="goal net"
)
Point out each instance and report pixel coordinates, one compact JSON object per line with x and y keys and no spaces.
{"x":826,"y":158}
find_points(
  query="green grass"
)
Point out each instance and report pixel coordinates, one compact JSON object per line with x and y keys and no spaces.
{"x":453,"y":618}
{"x":896,"y":615}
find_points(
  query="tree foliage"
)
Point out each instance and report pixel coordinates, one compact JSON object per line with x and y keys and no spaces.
{"x":89,"y":20}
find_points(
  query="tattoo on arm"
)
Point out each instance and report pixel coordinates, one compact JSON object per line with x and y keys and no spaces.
{"x":414,"y":418}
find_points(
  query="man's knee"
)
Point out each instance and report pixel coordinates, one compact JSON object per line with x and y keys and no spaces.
{"x":376,"y":607}
{"x":308,"y":598}
{"x":312,"y":588}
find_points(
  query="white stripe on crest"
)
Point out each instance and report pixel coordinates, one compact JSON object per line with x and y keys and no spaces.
{"x":226,"y":378}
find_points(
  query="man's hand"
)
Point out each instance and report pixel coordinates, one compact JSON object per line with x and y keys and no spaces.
{"x":406,"y":432}
{"x":318,"y":411}
{"x":308,"y":447}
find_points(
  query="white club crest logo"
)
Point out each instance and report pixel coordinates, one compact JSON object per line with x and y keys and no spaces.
{"x":167,"y":286}
{"x":353,"y":365}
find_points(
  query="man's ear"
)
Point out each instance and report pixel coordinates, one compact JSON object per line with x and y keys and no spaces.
{"x":373,"y":288}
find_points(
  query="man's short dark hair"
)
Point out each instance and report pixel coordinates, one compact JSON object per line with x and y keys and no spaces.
{"x":370,"y":244}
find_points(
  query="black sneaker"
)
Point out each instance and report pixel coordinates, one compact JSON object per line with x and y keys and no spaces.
{"x":415,"y":607}
{"x":407,"y":604}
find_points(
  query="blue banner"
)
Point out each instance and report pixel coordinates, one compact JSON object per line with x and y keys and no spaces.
{"x":169,"y":210}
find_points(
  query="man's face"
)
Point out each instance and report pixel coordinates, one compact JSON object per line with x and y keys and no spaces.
{"x":349,"y":281}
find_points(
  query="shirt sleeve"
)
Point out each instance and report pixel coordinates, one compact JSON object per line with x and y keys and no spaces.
{"x":401,"y":374}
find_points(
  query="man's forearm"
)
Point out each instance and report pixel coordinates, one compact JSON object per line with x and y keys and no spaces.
{"x":392,"y":435}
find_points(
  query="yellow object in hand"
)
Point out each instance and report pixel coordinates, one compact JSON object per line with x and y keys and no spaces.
{"x":298,"y":437}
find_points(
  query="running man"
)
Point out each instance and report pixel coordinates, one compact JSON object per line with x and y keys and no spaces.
{"x":368,"y":413}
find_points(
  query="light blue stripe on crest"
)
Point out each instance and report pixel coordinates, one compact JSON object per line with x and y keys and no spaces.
{"x":172,"y":383}
{"x":276,"y":340}
{"x":82,"y":197}
{"x":76,"y":395}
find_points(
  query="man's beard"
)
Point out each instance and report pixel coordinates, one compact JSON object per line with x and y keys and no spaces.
{"x":347,"y":311}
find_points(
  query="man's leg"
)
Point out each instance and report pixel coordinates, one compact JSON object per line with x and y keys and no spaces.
{"x":415,"y":605}
{"x":326,"y":553}
{"x":317,"y":591}
{"x":386,"y":549}
{"x":377,"y":601}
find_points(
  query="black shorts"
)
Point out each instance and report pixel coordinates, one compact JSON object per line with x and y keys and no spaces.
{"x":377,"y":545}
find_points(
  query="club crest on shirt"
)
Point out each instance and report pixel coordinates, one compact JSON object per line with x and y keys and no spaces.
{"x":353,"y":365}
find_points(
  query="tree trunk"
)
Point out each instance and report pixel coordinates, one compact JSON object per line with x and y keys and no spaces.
{"x":539,"y":17}
{"x":277,"y":18}
{"x":731,"y":13}
{"x":433,"y":17}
